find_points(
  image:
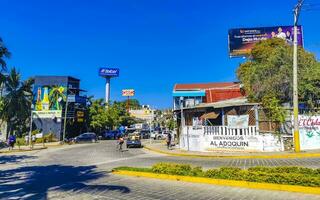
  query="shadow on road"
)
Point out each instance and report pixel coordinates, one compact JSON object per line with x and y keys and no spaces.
{"x":13,"y":158}
{"x":34,"y":182}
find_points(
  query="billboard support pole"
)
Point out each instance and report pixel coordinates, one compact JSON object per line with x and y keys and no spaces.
{"x":107,"y":90}
{"x":128,"y":104}
{"x":65,"y":119}
{"x":296,"y":13}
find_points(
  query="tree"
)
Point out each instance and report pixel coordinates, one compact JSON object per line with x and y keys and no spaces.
{"x":4,"y":53}
{"x":102,"y":117}
{"x":98,"y":118}
{"x":267,"y":76}
{"x":16,"y":103}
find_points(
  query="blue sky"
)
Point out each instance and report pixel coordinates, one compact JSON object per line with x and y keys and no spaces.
{"x":155,"y":43}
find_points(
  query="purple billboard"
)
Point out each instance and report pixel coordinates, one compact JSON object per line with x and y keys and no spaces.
{"x":242,"y":40}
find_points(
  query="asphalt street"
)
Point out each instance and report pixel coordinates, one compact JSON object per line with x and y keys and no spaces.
{"x":83,"y":172}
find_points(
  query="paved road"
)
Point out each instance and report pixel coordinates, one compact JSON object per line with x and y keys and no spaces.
{"x":82,"y":172}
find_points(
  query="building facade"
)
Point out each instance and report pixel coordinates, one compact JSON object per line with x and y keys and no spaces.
{"x":218,"y":117}
{"x":57,"y":98}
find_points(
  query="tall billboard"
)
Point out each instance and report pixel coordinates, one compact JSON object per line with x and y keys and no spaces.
{"x":110,"y":72}
{"x":242,"y":40}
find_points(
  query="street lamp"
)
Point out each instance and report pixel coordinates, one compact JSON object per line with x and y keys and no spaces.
{"x":296,"y":13}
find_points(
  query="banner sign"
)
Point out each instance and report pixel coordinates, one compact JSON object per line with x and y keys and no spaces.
{"x":238,"y":121}
{"x":309,"y":132}
{"x":221,"y":139}
{"x":47,"y":114}
{"x":109,"y":72}
{"x":128,"y":92}
{"x":242,"y":40}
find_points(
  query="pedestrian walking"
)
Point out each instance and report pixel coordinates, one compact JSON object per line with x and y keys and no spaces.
{"x":169,"y":138}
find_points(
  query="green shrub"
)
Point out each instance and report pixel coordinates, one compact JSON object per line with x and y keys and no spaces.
{"x":138,"y":169}
{"x":286,"y":169}
{"x":279,"y":175}
{"x":211,"y":173}
{"x":177,"y":169}
{"x":20,"y":142}
{"x":39,"y":140}
{"x":50,"y":138}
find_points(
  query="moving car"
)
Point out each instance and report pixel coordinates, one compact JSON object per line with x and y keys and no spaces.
{"x":86,"y":137}
{"x":134,"y":140}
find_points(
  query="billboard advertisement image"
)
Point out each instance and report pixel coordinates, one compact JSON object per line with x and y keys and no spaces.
{"x":242,"y":40}
{"x":49,"y":101}
{"x":128,"y":92}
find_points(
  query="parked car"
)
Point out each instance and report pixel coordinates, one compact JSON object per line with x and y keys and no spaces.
{"x":86,"y":137}
{"x":153,"y":134}
{"x":111,"y":135}
{"x":161,"y":135}
{"x":145,"y":134}
{"x":133,"y":140}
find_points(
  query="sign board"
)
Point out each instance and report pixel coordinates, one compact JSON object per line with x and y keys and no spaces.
{"x":309,"y":132}
{"x":238,"y":121}
{"x":71,"y":98}
{"x":242,"y":40}
{"x":198,"y":140}
{"x":47,"y":114}
{"x":39,"y":135}
{"x":128,"y":92}
{"x":109,"y":72}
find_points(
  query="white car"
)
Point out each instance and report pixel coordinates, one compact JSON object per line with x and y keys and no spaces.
{"x":161,"y":135}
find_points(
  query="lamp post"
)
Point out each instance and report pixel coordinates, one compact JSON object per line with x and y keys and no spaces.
{"x":296,"y":13}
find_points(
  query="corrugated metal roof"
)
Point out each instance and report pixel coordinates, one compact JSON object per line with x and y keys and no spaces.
{"x":201,"y":86}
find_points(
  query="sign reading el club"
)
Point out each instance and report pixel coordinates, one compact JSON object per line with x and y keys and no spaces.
{"x":309,"y":132}
{"x":128,"y":92}
{"x":110,"y":72}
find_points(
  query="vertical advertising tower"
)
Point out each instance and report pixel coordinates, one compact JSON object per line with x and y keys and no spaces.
{"x":108,"y":73}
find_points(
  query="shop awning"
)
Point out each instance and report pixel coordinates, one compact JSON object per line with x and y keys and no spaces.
{"x":210,"y":115}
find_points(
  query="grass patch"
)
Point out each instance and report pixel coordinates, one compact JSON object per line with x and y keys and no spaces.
{"x":278,"y":175}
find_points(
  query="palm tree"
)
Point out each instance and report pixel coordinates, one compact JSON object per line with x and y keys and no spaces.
{"x":57,"y":95}
{"x":4,"y":53}
{"x":16,"y":103}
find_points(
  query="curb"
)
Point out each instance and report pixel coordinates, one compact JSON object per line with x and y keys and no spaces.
{"x":22,"y":150}
{"x":291,"y":155}
{"x":245,"y":184}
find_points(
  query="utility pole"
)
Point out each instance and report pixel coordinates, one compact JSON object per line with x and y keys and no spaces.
{"x":296,"y":13}
{"x":65,"y":117}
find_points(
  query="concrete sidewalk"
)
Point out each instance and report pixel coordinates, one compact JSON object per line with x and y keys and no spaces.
{"x":160,"y":147}
{"x":39,"y":146}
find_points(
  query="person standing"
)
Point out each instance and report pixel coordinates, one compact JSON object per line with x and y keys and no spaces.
{"x":11,"y":141}
{"x":169,"y":138}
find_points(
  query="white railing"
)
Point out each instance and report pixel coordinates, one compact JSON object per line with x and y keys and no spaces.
{"x":225,"y":130}
{"x":221,"y":130}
